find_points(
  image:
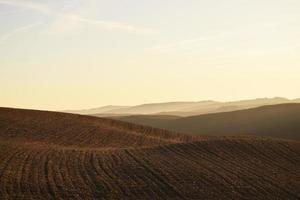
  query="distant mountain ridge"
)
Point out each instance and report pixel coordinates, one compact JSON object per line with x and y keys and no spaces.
{"x":182,"y":108}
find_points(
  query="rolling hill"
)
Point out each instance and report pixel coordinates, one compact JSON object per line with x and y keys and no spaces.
{"x":282,"y":121}
{"x":49,"y":155}
{"x":182,"y":109}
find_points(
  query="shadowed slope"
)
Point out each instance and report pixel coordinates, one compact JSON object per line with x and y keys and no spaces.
{"x":79,"y":130}
{"x":282,"y":121}
{"x":40,"y":159}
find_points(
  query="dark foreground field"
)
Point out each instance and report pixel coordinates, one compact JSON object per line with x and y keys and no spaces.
{"x":47,"y":155}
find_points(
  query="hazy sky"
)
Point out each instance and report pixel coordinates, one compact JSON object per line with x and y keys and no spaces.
{"x":62,"y":54}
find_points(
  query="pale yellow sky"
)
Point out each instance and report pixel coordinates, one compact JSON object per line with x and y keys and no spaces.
{"x":80,"y":54}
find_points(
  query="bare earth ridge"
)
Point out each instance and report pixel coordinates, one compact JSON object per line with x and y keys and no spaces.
{"x":48,"y":155}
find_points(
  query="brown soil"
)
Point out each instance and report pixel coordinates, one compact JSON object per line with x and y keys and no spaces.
{"x":48,"y":155}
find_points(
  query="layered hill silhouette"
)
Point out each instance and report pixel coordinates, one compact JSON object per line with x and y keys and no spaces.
{"x":281,"y":121}
{"x":49,"y":155}
{"x":182,"y":108}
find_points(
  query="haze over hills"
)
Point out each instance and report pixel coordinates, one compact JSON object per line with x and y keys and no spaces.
{"x":282,"y":121}
{"x":182,"y":108}
{"x":103,"y":109}
{"x":143,"y":109}
{"x":49,"y":155}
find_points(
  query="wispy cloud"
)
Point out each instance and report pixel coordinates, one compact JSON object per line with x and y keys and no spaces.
{"x":43,"y":9}
{"x":27,"y":5}
{"x":176,"y":44}
{"x":186,"y":43}
{"x":5,"y":37}
{"x":263,"y":30}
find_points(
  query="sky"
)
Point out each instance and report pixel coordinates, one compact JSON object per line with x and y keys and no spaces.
{"x":74,"y":54}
